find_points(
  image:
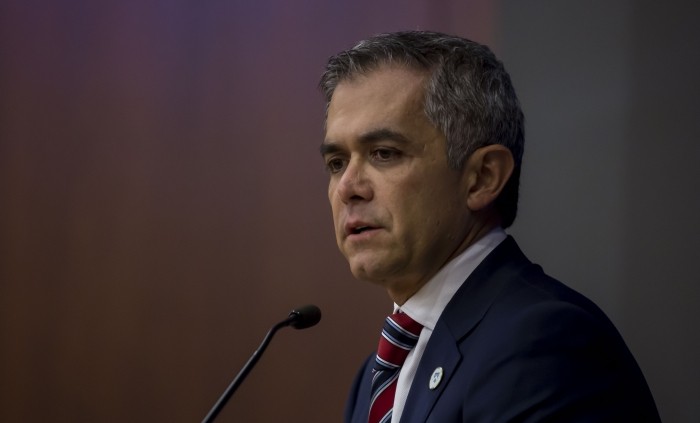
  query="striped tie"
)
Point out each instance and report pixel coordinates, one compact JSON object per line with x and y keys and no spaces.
{"x":399,"y":336}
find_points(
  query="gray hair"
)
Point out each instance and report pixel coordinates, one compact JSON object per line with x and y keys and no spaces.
{"x":469,"y":96}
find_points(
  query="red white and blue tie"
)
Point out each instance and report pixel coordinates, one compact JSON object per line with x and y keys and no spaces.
{"x":399,"y":336}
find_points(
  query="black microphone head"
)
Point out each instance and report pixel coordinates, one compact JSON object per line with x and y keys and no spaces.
{"x":305,"y":317}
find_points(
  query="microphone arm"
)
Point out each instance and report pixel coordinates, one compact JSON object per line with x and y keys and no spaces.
{"x":301,"y":318}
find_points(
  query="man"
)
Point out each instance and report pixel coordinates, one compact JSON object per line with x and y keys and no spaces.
{"x":423,"y":144}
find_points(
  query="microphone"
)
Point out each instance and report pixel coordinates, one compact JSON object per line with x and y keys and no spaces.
{"x":305,"y":317}
{"x":300,"y":318}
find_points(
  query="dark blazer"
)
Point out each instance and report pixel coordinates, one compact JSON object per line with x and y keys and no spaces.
{"x":516,"y":345}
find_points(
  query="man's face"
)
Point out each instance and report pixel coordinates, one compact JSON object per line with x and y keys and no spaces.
{"x":400,"y":212}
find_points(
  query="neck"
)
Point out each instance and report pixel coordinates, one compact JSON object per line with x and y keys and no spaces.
{"x":399,"y":294}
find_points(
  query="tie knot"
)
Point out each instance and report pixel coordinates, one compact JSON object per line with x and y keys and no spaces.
{"x":399,"y":336}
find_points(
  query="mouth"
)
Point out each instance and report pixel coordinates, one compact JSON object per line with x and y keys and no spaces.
{"x":359,"y":228}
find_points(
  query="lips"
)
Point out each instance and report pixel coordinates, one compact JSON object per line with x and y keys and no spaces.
{"x":357,"y":228}
{"x":360,"y":229}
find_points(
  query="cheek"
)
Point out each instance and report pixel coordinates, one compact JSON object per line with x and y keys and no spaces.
{"x":332,"y":198}
{"x":336,"y":209}
{"x":430,"y":208}
{"x":335,"y":212}
{"x":331,"y":191}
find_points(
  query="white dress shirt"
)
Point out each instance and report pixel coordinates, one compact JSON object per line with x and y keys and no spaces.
{"x":426,"y":306}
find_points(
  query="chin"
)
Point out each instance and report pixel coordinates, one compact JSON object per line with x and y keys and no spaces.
{"x":372,"y":274}
{"x":364,"y":273}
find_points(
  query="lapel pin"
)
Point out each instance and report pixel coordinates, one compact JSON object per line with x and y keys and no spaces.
{"x":435,"y":378}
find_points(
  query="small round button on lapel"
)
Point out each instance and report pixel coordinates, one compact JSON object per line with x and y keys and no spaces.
{"x":436,"y":378}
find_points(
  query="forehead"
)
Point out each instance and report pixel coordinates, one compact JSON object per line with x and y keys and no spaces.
{"x":387,"y":97}
{"x":386,"y":82}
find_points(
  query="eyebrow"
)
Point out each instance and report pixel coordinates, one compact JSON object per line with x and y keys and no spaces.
{"x":329,"y":147}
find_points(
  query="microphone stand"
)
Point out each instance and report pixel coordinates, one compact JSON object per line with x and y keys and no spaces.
{"x":302,"y":318}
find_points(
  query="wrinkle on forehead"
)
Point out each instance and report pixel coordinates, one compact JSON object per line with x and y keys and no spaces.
{"x":399,"y":91}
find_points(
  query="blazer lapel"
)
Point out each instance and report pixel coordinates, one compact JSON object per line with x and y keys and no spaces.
{"x":464,"y":312}
{"x":441,"y":353}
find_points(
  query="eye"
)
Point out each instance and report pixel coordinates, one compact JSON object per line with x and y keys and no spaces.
{"x":335,"y":164}
{"x":385,"y":154}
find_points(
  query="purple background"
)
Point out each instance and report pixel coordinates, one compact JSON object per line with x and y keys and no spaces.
{"x":163,"y":202}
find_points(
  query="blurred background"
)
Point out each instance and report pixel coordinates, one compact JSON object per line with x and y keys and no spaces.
{"x":163,"y":202}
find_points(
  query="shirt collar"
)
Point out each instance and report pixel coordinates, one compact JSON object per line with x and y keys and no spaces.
{"x":426,"y":305}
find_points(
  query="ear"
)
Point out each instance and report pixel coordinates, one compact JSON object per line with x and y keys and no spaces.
{"x":489,"y":168}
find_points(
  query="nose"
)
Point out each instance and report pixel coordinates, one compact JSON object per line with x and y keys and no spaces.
{"x":354,"y":184}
